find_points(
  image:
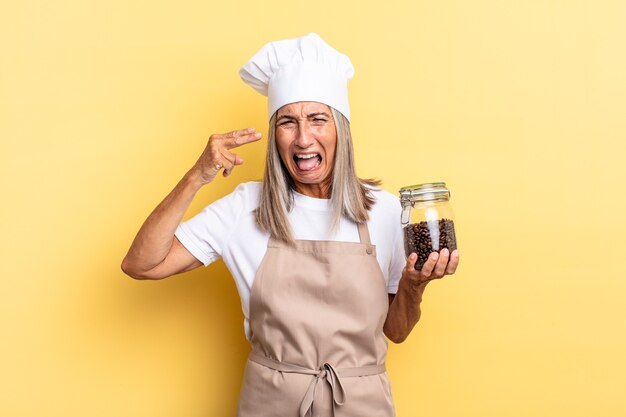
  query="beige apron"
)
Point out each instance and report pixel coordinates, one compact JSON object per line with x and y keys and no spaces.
{"x":317,"y":311}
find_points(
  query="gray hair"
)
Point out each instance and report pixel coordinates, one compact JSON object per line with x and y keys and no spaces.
{"x":350,"y":195}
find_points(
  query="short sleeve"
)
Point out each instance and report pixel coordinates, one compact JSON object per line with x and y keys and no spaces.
{"x":398,"y":260}
{"x":206,"y":234}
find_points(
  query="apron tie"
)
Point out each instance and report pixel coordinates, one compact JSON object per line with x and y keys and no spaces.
{"x":326,"y":373}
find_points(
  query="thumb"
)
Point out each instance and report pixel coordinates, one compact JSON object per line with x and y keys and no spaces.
{"x":410,"y":262}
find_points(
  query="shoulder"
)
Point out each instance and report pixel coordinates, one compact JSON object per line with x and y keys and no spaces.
{"x":384,"y":216}
{"x":385,"y":202}
{"x":385,"y":227}
{"x":250,"y":188}
{"x":245,"y":197}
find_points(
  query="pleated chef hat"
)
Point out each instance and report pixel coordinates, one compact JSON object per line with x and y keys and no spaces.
{"x":301,"y":69}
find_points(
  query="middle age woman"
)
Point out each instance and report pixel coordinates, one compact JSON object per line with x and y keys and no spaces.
{"x":316,"y":252}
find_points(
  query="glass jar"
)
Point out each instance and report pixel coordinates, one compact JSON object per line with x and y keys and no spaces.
{"x":427,"y":220}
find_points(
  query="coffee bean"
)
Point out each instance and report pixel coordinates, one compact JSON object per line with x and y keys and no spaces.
{"x":419,"y":238}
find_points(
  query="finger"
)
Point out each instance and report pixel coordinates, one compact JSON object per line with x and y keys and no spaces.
{"x":227,"y":139}
{"x":442,"y":262}
{"x":227,"y":171}
{"x":226,"y":161}
{"x":429,"y":265}
{"x":238,"y":159}
{"x":229,"y":156}
{"x":410,"y":262}
{"x":454,"y":262}
{"x":235,"y":133}
{"x":241,"y":139}
{"x":218,"y":164}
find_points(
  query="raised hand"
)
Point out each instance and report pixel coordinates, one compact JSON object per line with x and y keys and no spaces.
{"x":217,"y":155}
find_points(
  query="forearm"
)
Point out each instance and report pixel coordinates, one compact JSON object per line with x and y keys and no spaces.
{"x":404,"y":310}
{"x":156,"y":235}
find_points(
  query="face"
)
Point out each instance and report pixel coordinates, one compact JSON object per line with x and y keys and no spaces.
{"x":306,"y":138}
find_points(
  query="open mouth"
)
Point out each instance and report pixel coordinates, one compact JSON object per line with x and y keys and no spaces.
{"x":307,"y":162}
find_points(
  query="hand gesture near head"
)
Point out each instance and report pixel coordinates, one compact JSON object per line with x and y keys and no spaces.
{"x":217,"y":155}
{"x":156,"y":253}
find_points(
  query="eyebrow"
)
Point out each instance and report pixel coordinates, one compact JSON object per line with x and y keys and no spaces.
{"x":309,"y":116}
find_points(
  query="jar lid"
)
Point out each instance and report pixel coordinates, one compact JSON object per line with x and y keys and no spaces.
{"x":425,"y":192}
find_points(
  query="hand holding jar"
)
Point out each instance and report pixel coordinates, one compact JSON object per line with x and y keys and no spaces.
{"x":429,"y":236}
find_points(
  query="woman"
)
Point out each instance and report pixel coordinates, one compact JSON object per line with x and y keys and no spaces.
{"x":318,"y":296}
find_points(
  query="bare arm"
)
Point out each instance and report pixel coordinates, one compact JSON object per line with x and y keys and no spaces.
{"x":156,"y":253}
{"x":404,"y":306}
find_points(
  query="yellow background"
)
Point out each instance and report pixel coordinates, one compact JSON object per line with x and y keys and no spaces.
{"x":517,"y":105}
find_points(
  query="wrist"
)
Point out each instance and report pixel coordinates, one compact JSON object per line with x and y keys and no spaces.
{"x":414,"y":285}
{"x":193,"y":179}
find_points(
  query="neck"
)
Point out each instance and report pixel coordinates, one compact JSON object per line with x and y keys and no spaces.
{"x":321,"y":190}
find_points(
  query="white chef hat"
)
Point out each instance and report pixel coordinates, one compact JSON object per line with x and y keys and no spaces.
{"x":301,"y":69}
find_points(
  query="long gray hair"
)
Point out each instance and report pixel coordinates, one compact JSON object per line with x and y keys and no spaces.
{"x":350,"y":195}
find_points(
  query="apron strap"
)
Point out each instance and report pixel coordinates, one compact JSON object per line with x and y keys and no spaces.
{"x":326,"y":373}
{"x":364,"y":234}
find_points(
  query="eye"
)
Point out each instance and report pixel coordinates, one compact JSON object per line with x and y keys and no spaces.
{"x":319,"y":120}
{"x":286,"y":123}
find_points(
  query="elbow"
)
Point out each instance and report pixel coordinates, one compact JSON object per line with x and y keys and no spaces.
{"x":397,"y":339}
{"x":395,"y":336}
{"x":129,"y":269}
{"x":400,"y":339}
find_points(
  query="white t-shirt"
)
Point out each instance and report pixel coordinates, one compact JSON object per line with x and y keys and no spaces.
{"x":227,"y":229}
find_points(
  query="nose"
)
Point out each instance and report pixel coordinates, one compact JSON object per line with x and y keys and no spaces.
{"x":304,"y":138}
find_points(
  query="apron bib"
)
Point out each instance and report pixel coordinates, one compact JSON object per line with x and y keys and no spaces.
{"x":317,"y":311}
